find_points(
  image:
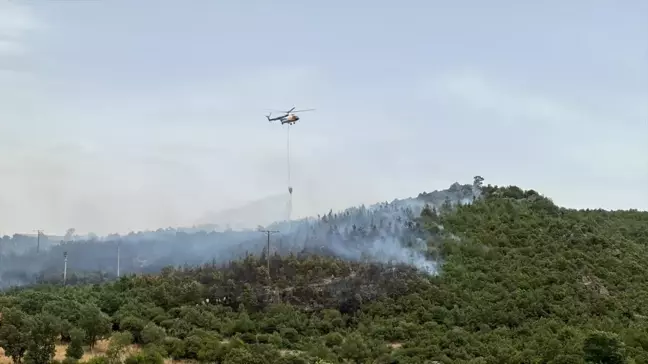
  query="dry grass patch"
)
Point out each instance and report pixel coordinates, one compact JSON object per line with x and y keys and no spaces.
{"x":4,"y":359}
{"x":99,"y":349}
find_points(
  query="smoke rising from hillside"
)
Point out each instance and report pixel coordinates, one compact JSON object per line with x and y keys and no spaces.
{"x":259,"y":212}
{"x":382,"y":233}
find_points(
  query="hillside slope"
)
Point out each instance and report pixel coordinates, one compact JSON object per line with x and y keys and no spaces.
{"x":522,"y":281}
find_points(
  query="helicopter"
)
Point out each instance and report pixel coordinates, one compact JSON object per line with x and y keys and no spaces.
{"x":289,"y":116}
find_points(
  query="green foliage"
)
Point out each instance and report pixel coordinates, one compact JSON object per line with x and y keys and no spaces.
{"x":522,"y":281}
{"x":117,"y":346}
{"x":95,"y":323}
{"x":242,"y":356}
{"x":147,"y":356}
{"x":152,"y":334}
{"x":355,"y":348}
{"x":75,"y":348}
{"x":42,"y":336}
{"x":174,"y":347}
{"x":97,"y":360}
{"x":135,"y":325}
{"x":604,"y":347}
{"x":14,"y":333}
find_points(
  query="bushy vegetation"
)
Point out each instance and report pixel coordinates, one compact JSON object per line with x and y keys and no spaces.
{"x":522,"y":281}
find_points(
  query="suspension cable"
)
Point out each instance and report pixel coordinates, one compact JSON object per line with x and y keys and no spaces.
{"x":288,"y":157}
{"x":290,"y":189}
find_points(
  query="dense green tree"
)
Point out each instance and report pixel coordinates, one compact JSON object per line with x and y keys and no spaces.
{"x":134,"y":325}
{"x":355,"y":349}
{"x":117,"y":346}
{"x":95,"y":323}
{"x":604,"y":347}
{"x":42,"y":339}
{"x":211,"y":350}
{"x":152,"y":334}
{"x":14,"y":333}
{"x":147,"y":356}
{"x":242,"y":356}
{"x":75,"y":348}
{"x":174,"y":347}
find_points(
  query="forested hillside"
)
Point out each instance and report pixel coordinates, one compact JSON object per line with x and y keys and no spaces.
{"x":518,"y":280}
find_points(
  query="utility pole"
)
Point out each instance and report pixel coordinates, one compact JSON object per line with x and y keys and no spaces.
{"x":38,"y":235}
{"x":118,"y":252}
{"x":268,"y":232}
{"x":64,"y":268}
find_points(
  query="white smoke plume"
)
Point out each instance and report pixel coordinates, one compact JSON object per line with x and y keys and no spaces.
{"x":382,"y":233}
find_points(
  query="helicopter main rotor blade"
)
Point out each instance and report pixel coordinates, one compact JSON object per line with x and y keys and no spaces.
{"x":304,"y":110}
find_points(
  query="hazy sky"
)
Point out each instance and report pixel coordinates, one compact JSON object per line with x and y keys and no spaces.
{"x":118,"y":115}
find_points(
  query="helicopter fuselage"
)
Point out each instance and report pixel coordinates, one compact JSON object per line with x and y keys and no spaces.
{"x":288,"y":119}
